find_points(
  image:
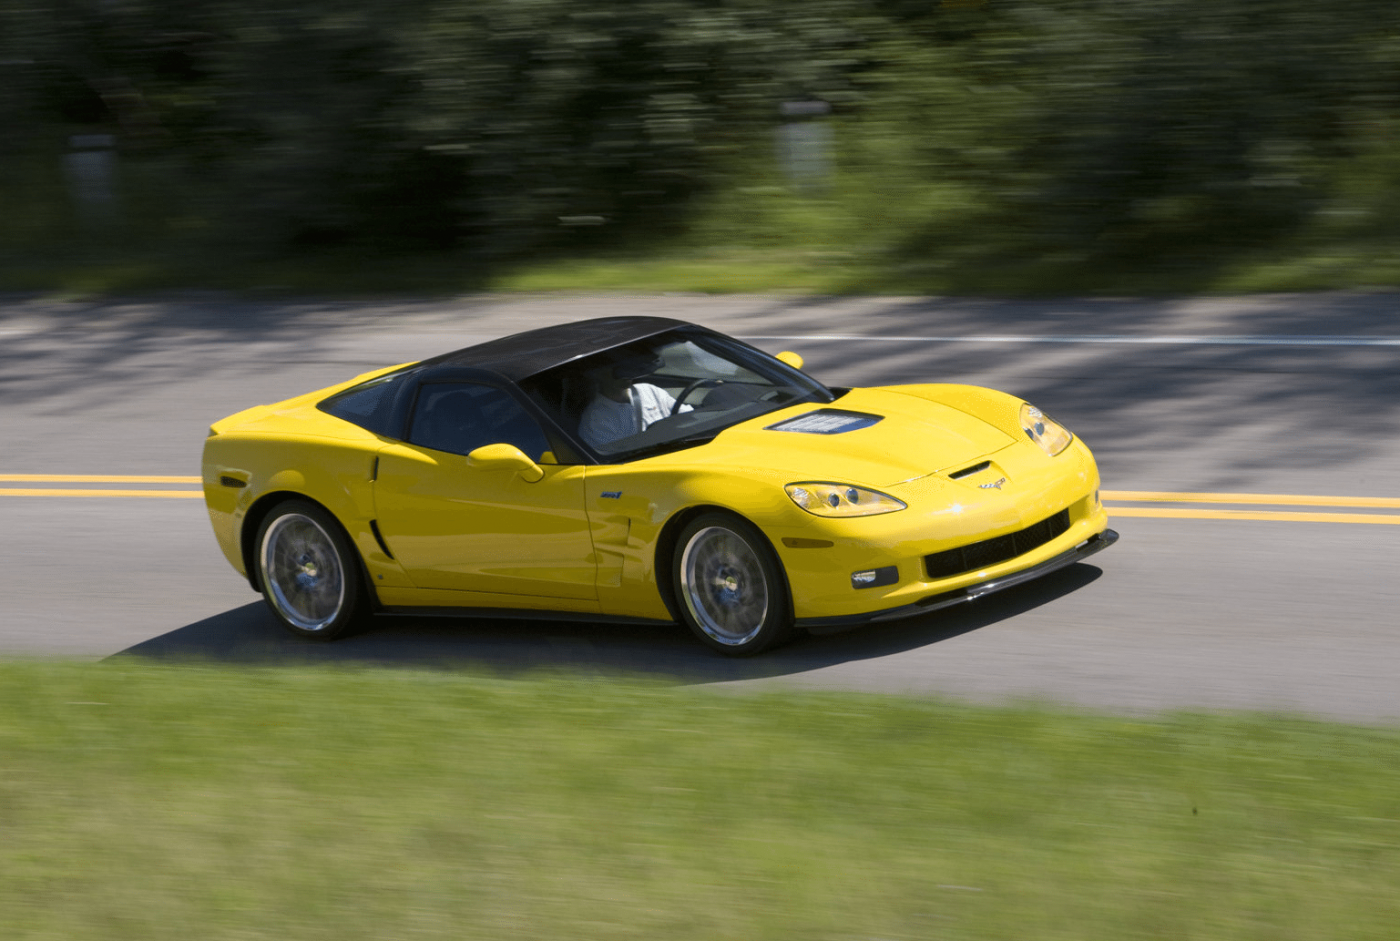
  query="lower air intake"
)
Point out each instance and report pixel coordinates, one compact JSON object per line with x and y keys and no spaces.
{"x":988,"y":552}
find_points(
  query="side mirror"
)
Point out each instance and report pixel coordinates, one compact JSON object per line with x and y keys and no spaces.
{"x":505,"y":457}
{"x":792,"y":359}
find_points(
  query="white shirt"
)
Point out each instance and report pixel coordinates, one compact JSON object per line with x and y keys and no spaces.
{"x":606,"y":420}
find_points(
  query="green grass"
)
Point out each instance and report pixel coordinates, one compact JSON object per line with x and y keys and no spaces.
{"x":708,"y":271}
{"x":715,"y":270}
{"x":150,"y":802}
{"x":724,"y":267}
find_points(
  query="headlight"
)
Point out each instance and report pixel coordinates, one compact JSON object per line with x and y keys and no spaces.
{"x":1043,"y":430}
{"x":829,"y":499}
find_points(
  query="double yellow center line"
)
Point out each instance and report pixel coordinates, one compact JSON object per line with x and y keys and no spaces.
{"x":107,"y":490}
{"x":1231,"y":506}
{"x":1120,"y":503}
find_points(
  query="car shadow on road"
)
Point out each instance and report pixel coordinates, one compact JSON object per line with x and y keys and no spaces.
{"x":250,"y":635}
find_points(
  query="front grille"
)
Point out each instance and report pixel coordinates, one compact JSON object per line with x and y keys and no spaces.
{"x":980,"y":555}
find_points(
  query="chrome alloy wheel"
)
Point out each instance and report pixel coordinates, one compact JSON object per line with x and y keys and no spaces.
{"x":303,"y":572}
{"x":724,"y":586}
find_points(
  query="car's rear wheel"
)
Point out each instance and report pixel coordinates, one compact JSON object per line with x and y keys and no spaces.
{"x":308,"y":570}
{"x":729,"y":586}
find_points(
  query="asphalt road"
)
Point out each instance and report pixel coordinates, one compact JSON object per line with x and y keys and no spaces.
{"x":1273,"y":605}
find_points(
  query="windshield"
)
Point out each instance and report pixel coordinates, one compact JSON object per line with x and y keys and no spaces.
{"x":667,"y":392}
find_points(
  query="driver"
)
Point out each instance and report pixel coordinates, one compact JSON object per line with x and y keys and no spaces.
{"x":623,"y":405}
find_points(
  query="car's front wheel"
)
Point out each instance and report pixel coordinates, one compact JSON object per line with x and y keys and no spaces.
{"x":729,"y":586}
{"x":308,"y":570}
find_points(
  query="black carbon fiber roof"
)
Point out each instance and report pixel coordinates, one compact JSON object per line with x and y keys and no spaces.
{"x":522,"y":355}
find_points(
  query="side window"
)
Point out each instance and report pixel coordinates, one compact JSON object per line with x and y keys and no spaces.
{"x":459,"y":417}
{"x":368,"y":404}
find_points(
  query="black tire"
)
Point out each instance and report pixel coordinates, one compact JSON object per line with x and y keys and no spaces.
{"x":729,"y":586}
{"x":309,"y":571}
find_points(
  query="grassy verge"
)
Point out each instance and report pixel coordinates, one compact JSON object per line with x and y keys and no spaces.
{"x":149,"y":802}
{"x":877,"y":229}
{"x":719,"y":268}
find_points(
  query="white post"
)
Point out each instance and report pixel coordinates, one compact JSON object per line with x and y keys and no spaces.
{"x":91,"y":168}
{"x":804,"y":143}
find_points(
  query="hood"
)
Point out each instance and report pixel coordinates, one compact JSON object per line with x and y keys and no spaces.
{"x":870,"y":437}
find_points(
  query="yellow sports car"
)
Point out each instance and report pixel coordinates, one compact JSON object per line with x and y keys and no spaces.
{"x":639,"y":468}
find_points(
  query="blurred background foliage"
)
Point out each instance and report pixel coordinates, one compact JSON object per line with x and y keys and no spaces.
{"x":962,"y":145}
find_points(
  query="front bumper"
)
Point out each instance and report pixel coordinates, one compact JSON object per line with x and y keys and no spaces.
{"x":935,"y":602}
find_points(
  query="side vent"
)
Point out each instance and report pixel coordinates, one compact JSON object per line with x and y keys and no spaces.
{"x":379,"y":538}
{"x":233,"y":482}
{"x":969,"y":471}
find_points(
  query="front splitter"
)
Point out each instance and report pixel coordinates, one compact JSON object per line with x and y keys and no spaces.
{"x":832,"y":625}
